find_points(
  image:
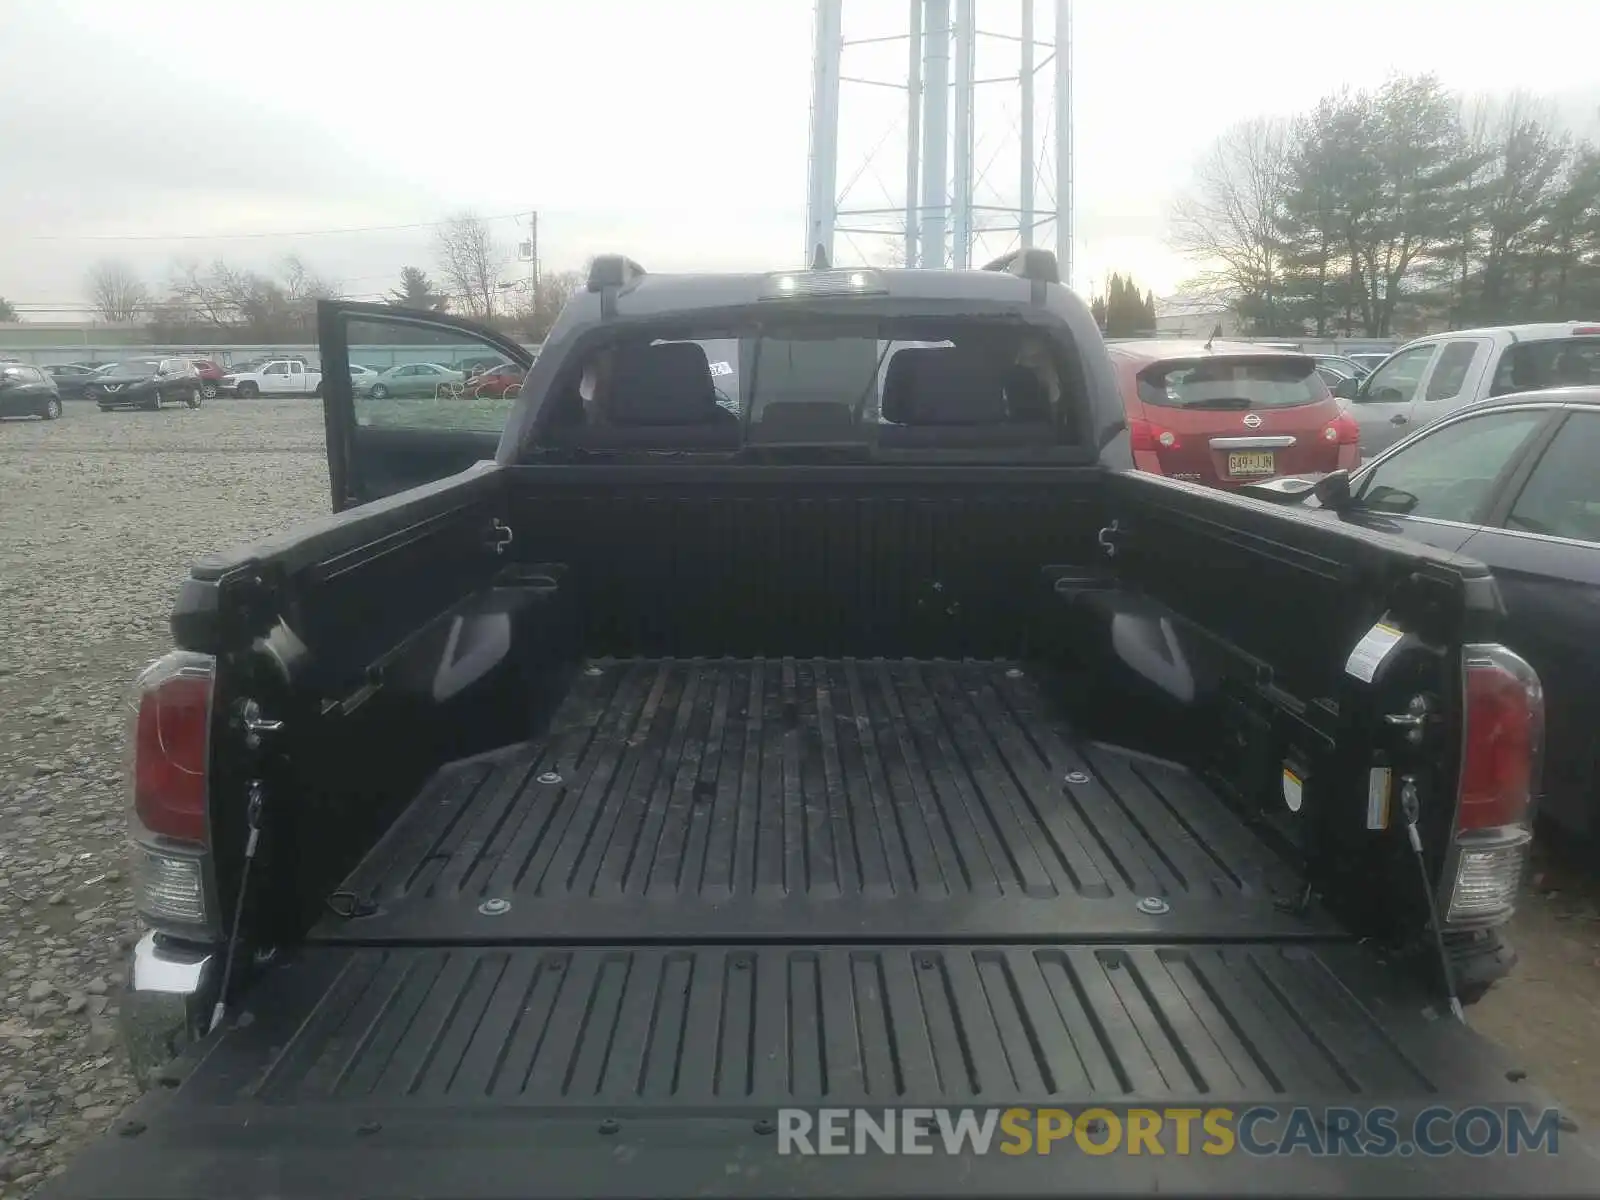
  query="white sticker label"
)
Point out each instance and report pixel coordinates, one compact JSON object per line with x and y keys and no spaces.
{"x":1378,"y":798}
{"x":1371,"y":650}
{"x":1293,"y":790}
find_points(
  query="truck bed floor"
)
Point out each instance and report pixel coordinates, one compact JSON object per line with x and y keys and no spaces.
{"x":680,"y":800}
{"x":633,"y":1073}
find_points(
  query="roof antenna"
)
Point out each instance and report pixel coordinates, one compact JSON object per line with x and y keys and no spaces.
{"x":819,"y":260}
{"x":1213,"y":337}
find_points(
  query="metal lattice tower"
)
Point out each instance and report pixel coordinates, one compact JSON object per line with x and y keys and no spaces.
{"x":986,"y":151}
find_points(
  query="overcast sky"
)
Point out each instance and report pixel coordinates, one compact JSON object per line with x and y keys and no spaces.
{"x":676,"y":131}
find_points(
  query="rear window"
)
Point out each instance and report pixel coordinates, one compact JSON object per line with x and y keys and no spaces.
{"x":1555,"y":362}
{"x":1232,"y":383}
{"x":869,"y":383}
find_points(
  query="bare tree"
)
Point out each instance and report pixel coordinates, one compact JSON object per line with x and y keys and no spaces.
{"x":243,"y":303}
{"x":1229,"y":219}
{"x":116,"y":292}
{"x":471,"y":259}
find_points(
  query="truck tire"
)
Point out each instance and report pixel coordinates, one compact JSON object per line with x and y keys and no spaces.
{"x":318,"y":392}
{"x":52,"y":409}
{"x":248,"y":390}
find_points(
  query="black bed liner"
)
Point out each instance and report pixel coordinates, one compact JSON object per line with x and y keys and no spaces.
{"x":912,"y":907}
{"x":824,"y":800}
{"x":587,"y":1073}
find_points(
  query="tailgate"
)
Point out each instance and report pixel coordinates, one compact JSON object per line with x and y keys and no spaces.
{"x":657,"y":1072}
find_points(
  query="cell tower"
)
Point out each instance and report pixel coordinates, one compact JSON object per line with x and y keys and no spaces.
{"x":986,"y":150}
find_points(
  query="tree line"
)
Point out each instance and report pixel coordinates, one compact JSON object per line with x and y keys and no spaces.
{"x":1385,"y":212}
{"x":1121,"y":311}
{"x":223,"y":302}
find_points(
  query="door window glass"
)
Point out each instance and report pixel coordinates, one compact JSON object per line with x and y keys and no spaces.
{"x":1448,"y":474}
{"x":277,"y":369}
{"x":1396,"y":381}
{"x":1450,"y":374}
{"x":430,"y":391}
{"x":1562,"y":496}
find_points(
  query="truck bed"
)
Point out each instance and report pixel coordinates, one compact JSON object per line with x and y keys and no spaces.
{"x":824,"y":800}
{"x":763,"y":884}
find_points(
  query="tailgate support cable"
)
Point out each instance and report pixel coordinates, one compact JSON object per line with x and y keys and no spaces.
{"x":1411,"y":809}
{"x":253,"y":819}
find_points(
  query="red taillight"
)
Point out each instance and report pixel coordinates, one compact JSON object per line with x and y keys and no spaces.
{"x":1504,"y":737}
{"x":1145,"y":435}
{"x":1585,"y":330}
{"x":169,"y":746}
{"x":1343,"y":430}
{"x":1503,"y":742}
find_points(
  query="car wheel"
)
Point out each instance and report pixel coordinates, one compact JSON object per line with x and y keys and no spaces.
{"x":153,"y":404}
{"x":52,"y":409}
{"x":379,"y":392}
{"x":193,"y":399}
{"x":209,"y":391}
{"x":318,"y":392}
{"x":248,"y":391}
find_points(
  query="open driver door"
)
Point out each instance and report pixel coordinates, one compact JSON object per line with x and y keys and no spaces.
{"x":410,"y":397}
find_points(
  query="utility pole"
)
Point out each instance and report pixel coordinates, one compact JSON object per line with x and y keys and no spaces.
{"x":533,"y":263}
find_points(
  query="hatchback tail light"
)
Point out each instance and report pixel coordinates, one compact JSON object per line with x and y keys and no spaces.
{"x":1343,"y":430}
{"x":1503,"y":743}
{"x":1146,"y":435}
{"x":168,"y":751}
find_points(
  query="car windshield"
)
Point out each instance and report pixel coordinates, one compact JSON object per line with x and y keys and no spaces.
{"x":1232,"y":383}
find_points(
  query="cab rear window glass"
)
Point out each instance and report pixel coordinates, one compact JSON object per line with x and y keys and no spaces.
{"x":1232,"y":383}
{"x":1554,"y":362}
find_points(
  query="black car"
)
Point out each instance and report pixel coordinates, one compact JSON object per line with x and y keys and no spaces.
{"x":146,"y":383}
{"x":28,"y":392}
{"x":1510,"y":482}
{"x":73,"y":379}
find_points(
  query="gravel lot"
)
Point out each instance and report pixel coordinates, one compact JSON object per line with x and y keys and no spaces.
{"x":100,"y":515}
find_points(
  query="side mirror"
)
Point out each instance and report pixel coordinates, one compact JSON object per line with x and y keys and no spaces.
{"x":1347,"y":389}
{"x":1333,"y":491}
{"x":1287,"y":489}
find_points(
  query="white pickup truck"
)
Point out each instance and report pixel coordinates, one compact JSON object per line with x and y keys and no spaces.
{"x":277,"y":377}
{"x":1432,"y":376}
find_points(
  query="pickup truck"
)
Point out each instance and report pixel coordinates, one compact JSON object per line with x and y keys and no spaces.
{"x":615,"y":785}
{"x":1436,"y":375}
{"x":280,"y":377}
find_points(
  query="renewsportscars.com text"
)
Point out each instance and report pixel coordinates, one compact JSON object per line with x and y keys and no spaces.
{"x":1258,"y":1131}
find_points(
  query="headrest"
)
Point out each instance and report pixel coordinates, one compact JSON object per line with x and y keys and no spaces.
{"x":1026,"y":396}
{"x":668,"y":383}
{"x":942,"y":385}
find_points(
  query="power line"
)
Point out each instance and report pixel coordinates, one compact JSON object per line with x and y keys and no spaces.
{"x":218,"y":237}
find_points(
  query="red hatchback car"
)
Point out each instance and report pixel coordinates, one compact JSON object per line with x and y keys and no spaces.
{"x":1230,"y":414}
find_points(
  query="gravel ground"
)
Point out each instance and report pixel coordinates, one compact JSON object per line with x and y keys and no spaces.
{"x":100,"y":515}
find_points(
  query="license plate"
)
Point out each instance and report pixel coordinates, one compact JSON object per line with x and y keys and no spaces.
{"x":1251,"y":462}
